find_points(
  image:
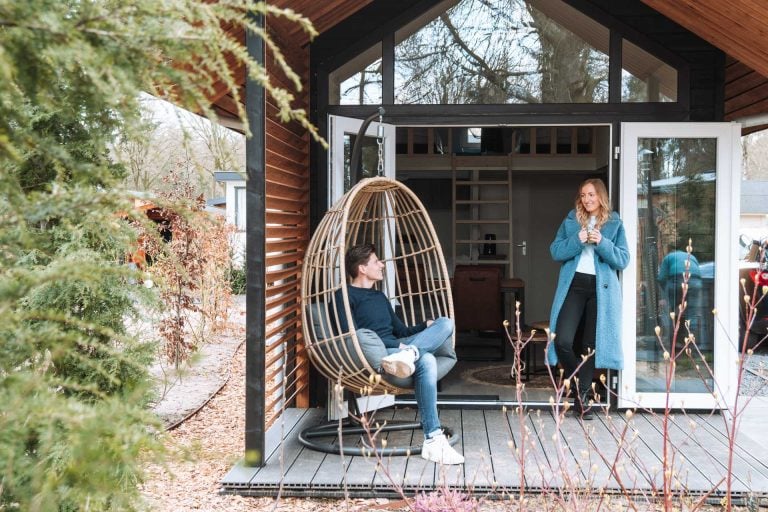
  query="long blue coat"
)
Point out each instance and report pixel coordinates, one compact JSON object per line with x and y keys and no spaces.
{"x":611,"y":255}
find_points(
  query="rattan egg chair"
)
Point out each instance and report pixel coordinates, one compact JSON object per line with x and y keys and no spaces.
{"x":383,"y":212}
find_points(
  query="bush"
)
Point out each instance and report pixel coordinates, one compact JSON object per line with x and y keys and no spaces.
{"x":73,"y":383}
{"x":237,"y":276}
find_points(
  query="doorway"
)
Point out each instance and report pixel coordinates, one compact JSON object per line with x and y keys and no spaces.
{"x":511,"y":185}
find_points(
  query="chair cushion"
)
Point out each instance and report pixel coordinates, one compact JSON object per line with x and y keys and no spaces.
{"x":372,"y":347}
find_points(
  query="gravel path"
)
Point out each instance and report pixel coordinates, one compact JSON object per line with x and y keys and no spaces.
{"x":206,"y":446}
{"x":755,"y":380}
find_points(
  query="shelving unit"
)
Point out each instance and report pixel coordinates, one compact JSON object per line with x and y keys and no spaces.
{"x":482,"y":206}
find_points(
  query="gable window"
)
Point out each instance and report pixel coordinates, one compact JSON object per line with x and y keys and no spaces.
{"x":503,"y":52}
{"x":358,"y":82}
{"x":645,"y":78}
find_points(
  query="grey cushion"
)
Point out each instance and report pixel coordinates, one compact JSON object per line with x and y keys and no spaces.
{"x":373,"y":348}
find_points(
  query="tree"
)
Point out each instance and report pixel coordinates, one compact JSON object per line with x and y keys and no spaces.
{"x":755,"y":156}
{"x":73,"y":381}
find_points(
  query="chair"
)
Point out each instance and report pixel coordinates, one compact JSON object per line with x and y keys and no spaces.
{"x":480,"y":306}
{"x":387,"y":214}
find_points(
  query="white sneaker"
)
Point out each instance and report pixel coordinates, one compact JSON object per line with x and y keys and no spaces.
{"x":400,"y":364}
{"x":439,"y":450}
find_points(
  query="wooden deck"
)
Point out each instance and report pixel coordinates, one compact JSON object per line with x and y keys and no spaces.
{"x":568,"y":457}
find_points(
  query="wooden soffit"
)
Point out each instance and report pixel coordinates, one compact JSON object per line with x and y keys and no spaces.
{"x":740,"y":29}
{"x":323,"y":14}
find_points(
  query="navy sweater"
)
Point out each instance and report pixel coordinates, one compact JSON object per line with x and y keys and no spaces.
{"x":371,"y":310}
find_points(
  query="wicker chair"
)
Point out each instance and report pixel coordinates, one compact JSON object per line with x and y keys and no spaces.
{"x":385,"y":213}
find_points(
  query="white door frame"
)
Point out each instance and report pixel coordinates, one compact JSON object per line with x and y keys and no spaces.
{"x":726,"y":327}
{"x":338,"y":127}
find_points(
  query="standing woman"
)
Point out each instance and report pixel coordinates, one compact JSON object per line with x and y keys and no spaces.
{"x":592,"y":247}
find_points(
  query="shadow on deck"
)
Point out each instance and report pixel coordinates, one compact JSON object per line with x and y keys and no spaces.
{"x":569,"y":456}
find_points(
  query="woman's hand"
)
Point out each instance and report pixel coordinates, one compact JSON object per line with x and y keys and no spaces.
{"x":583,"y":235}
{"x":594,"y":236}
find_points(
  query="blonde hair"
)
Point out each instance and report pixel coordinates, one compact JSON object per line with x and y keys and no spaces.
{"x":604,"y":212}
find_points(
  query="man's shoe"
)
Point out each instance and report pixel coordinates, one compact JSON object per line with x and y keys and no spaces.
{"x":439,"y":450}
{"x":400,"y":364}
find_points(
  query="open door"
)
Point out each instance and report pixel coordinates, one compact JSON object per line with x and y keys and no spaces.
{"x":342,"y":132}
{"x":680,"y":181}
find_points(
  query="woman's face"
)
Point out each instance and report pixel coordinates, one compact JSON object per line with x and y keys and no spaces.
{"x":589,"y":198}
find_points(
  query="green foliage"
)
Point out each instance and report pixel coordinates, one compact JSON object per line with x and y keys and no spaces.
{"x":237,"y":281}
{"x":73,"y":381}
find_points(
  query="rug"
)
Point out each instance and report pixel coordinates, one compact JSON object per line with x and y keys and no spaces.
{"x":500,"y":375}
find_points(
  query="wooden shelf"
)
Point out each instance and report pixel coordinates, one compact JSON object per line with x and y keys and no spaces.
{"x":482,"y":206}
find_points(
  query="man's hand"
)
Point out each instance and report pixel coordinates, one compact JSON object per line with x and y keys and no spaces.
{"x":430,"y":322}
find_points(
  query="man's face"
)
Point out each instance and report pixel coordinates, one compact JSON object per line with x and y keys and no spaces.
{"x":374,"y":269}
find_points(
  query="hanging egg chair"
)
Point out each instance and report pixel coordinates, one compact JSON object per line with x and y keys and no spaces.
{"x":385,"y":213}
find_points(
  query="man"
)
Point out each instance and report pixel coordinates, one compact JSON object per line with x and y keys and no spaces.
{"x":411,"y":349}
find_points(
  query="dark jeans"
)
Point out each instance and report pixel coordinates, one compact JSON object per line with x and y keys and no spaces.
{"x":580,"y":305}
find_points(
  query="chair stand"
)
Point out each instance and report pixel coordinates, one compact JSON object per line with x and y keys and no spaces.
{"x":350,"y":429}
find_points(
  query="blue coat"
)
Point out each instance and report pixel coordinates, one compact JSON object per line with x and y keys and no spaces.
{"x":611,"y":255}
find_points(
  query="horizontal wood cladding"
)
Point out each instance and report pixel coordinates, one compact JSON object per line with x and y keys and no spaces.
{"x":738,"y":27}
{"x":287,"y":225}
{"x":746,"y":93}
{"x":323,"y":15}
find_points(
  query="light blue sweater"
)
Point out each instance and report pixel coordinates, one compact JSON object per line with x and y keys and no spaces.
{"x":611,"y":255}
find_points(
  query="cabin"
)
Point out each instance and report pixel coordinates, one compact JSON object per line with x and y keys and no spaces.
{"x":493,"y":113}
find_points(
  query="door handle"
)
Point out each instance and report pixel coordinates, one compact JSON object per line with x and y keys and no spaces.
{"x":523,"y":246}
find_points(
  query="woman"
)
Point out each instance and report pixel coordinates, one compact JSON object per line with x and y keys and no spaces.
{"x":592,"y":247}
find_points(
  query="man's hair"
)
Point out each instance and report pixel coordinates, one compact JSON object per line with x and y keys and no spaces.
{"x":356,"y":256}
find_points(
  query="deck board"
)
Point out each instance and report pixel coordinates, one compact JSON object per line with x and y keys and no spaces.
{"x":478,"y":470}
{"x":452,"y":476}
{"x":288,"y":450}
{"x":362,"y":469}
{"x":753,"y":456}
{"x":241,"y":475}
{"x":689,"y":462}
{"x":489,"y":439}
{"x":393,"y":469}
{"x":638,"y":466}
{"x":506,"y":471}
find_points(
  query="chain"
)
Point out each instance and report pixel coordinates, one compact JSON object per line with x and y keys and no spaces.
{"x":380,"y":142}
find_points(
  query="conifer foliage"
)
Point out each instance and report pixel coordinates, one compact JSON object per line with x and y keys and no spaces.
{"x":73,"y":382}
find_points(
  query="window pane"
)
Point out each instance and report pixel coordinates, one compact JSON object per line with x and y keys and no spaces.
{"x":369,"y":160}
{"x":644,"y":78}
{"x":502,"y":51}
{"x":676,"y":202}
{"x":240,"y":208}
{"x":358,"y":82}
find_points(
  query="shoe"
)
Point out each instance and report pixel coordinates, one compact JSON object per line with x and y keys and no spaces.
{"x":582,"y":412}
{"x":400,"y":364}
{"x":439,"y":450}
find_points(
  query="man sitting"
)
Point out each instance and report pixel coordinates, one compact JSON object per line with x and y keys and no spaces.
{"x":411,"y":349}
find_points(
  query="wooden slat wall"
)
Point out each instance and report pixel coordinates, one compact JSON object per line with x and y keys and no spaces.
{"x":746,"y":93}
{"x":738,"y":27}
{"x":323,"y":14}
{"x":287,"y":173}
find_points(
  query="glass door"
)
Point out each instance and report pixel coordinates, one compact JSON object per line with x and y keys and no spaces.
{"x":342,"y":133}
{"x":680,"y":182}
